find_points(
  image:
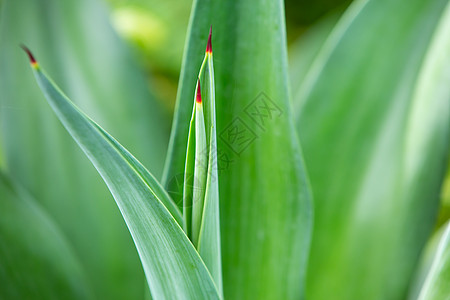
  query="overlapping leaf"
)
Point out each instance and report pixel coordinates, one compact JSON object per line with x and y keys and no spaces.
{"x":263,"y":189}
{"x":92,"y":65}
{"x":201,"y":191}
{"x":373,"y":116}
{"x":173,"y":267}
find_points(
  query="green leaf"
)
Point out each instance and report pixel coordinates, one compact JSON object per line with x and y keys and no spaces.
{"x":200,"y":172}
{"x":373,"y":116}
{"x":37,"y":262}
{"x":302,"y":53}
{"x":432,"y":98}
{"x":263,"y":188}
{"x":188,"y":180}
{"x":173,"y":267}
{"x":435,"y":270}
{"x":201,"y":193}
{"x":209,"y":245}
{"x":93,"y":66}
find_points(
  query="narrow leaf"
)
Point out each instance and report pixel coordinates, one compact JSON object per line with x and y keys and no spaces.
{"x":173,"y":268}
{"x":263,"y":188}
{"x":204,"y":193}
{"x":188,"y":183}
{"x":209,"y":245}
{"x":200,"y":168}
{"x":97,"y":70}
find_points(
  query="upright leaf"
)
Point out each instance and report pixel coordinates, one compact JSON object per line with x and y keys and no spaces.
{"x":201,"y":193}
{"x":173,"y":267}
{"x":264,"y":195}
{"x":200,"y":168}
{"x":373,"y":116}
{"x":209,"y":245}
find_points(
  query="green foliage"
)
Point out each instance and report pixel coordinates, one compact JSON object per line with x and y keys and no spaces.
{"x":433,"y":275}
{"x":37,"y":261}
{"x":264,"y":194}
{"x":373,"y":116}
{"x":172,"y":266}
{"x":78,"y":45}
{"x":200,"y":190}
{"x":232,"y":216}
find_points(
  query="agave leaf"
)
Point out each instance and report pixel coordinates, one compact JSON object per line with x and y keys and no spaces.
{"x":36,"y":260}
{"x":262,"y":183}
{"x":188,"y":183}
{"x":94,"y":67}
{"x":173,"y":267}
{"x":201,"y":193}
{"x":209,"y":245}
{"x":374,"y":122}
{"x":200,"y":170}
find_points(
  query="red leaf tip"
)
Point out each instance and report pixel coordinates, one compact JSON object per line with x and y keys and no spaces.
{"x":208,"y":45}
{"x":30,"y":55}
{"x":198,"y":99}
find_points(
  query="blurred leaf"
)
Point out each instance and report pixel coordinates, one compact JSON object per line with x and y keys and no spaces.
{"x":173,"y":267}
{"x":303,"y":51}
{"x":434,"y":274}
{"x":36,"y":261}
{"x":263,"y":189}
{"x":77,"y":43}
{"x":374,"y":122}
{"x":304,"y":13}
{"x":444,"y":210}
{"x":158,"y":28}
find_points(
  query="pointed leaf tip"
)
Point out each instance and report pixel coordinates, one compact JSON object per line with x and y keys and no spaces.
{"x":199,"y":94}
{"x":30,"y":55}
{"x":208,"y":45}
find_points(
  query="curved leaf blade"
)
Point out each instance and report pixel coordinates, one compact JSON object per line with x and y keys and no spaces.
{"x":97,"y":69}
{"x":171,"y":264}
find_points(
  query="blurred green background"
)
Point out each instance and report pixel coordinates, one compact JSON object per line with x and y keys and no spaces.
{"x":156,"y":32}
{"x":121,"y":61}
